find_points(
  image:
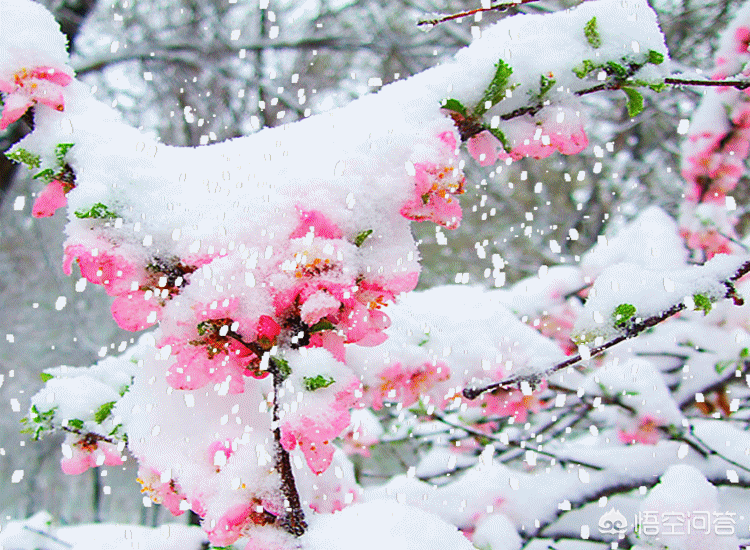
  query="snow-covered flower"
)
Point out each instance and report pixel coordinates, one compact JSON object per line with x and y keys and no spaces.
{"x":27,"y":87}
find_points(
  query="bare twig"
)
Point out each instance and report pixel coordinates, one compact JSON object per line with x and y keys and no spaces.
{"x":501,"y":7}
{"x":739,"y":84}
{"x":294,"y":521}
{"x":476,"y":433}
{"x":633,"y":330}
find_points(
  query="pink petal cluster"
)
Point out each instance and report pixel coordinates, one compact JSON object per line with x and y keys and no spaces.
{"x":405,"y":383}
{"x":708,"y":227}
{"x":315,"y":429}
{"x":236,"y":521}
{"x":89,"y":453}
{"x":28,"y":87}
{"x":166,"y":493}
{"x":538,"y":137}
{"x":435,"y":187}
{"x":50,"y":199}
{"x":646,"y":432}
{"x":206,"y":353}
{"x":506,"y":403}
{"x":315,"y":285}
{"x":139,"y":296}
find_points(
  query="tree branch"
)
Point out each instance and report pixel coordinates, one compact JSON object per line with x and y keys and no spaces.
{"x":294,"y":521}
{"x":504,"y":6}
{"x":739,"y":84}
{"x":633,"y":330}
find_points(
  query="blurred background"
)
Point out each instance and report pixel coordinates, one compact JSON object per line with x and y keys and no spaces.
{"x":192,"y":72}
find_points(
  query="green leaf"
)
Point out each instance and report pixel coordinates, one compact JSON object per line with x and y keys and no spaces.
{"x":495,"y":92}
{"x":103,"y":412}
{"x":76,"y":423}
{"x":22,"y":156}
{"x":545,"y":85}
{"x":281,"y":366}
{"x":47,"y":175}
{"x":98,"y":211}
{"x":322,"y":325}
{"x":592,"y":33}
{"x":500,"y":137}
{"x":622,"y":314}
{"x":702,"y":303}
{"x":721,"y":366}
{"x":317,"y":382}
{"x":617,"y":69}
{"x":585,"y":68}
{"x":635,"y":101}
{"x":655,"y":58}
{"x":654,"y":86}
{"x":360,"y":239}
{"x":744,"y":353}
{"x":203,"y":327}
{"x":45,"y":377}
{"x":455,"y":106}
{"x":114,"y":431}
{"x":61,"y":149}
{"x":424,"y":340}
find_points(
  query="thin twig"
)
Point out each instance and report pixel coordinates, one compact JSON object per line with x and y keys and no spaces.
{"x":739,"y":84}
{"x":48,"y":535}
{"x":504,"y":6}
{"x":476,"y":433}
{"x":294,"y":521}
{"x":633,"y":330}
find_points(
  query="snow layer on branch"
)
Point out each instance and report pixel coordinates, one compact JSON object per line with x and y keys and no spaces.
{"x":650,"y":292}
{"x":638,"y":385}
{"x":684,"y":490}
{"x":36,"y":532}
{"x":625,"y":28}
{"x":651,"y":240}
{"x":445,"y":338}
{"x":382,"y":524}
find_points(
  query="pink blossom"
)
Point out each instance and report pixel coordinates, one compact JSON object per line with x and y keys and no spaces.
{"x":136,"y":310}
{"x":331,"y":341}
{"x":357,"y":441}
{"x":433,"y":198}
{"x":113,"y":271}
{"x":647,"y":432}
{"x":315,"y":432}
{"x":741,"y":39}
{"x":709,"y":240}
{"x":318,"y":306}
{"x":333,"y":500}
{"x":435,"y":185}
{"x":315,"y":437}
{"x":199,"y":364}
{"x":49,"y":200}
{"x":89,"y":454}
{"x":513,"y":403}
{"x":236,"y":521}
{"x":231,"y":525}
{"x":219,"y":448}
{"x":29,"y":86}
{"x":483,"y":148}
{"x":318,"y":223}
{"x":169,"y":494}
{"x":365,"y":326}
{"x":404,"y":384}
